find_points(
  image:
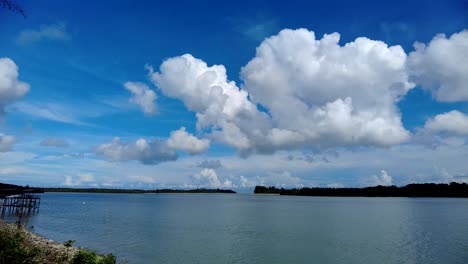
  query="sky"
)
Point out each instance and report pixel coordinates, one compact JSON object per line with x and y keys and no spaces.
{"x":192,"y":94}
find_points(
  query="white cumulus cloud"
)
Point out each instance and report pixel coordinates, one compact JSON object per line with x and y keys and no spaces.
{"x":319,"y":91}
{"x":182,"y":140}
{"x":143,"y":96}
{"x":316,"y":92}
{"x":208,"y":178}
{"x":11,"y":89}
{"x":383,"y":179}
{"x":453,"y":122}
{"x":147,"y":152}
{"x":81,"y":179}
{"x":441,"y":66}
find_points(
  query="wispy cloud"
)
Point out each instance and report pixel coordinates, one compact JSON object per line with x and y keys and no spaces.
{"x":56,"y":31}
{"x":54,"y":142}
{"x":52,"y":111}
{"x":256,"y":29}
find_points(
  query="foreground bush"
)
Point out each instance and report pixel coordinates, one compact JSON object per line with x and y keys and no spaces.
{"x":18,"y":245}
{"x":85,"y":256}
{"x":12,"y":250}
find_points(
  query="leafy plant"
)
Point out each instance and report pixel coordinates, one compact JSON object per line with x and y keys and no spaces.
{"x":86,"y":256}
{"x":69,"y":243}
{"x":12,"y":250}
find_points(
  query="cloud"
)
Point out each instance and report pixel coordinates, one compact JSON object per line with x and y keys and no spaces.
{"x":314,"y":91}
{"x":54,"y":142}
{"x":208,"y":178}
{"x":453,"y":122}
{"x":14,"y":171}
{"x":80,"y":179}
{"x":182,"y":140}
{"x":383,"y":179}
{"x":210,"y":164}
{"x":73,"y":112}
{"x":441,"y":67}
{"x":6,"y":142}
{"x":147,"y":152}
{"x":142,"y":179}
{"x":45,"y":32}
{"x":280,"y":179}
{"x":52,"y":111}
{"x":143,"y":96}
{"x":153,"y":152}
{"x":217,"y":102}
{"x":335,"y":185}
{"x":321,"y":92}
{"x":11,"y":89}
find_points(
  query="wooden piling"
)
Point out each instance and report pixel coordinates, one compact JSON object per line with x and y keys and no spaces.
{"x":21,"y":203}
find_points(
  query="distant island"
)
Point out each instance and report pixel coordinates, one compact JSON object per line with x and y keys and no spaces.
{"x":411,"y":190}
{"x":106,"y":190}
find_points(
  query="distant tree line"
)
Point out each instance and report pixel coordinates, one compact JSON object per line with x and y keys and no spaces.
{"x":194,"y":191}
{"x":105,"y":190}
{"x":411,"y":190}
{"x":11,"y":189}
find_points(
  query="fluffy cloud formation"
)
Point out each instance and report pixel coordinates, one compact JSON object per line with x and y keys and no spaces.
{"x":54,"y":142}
{"x":383,"y":179}
{"x":182,"y":140}
{"x":315,"y":91}
{"x":80,"y":179}
{"x":453,"y":122}
{"x":11,"y":89}
{"x":45,"y":32}
{"x":218,"y":103}
{"x":441,"y":66}
{"x":143,"y":96}
{"x":147,"y":152}
{"x":6,"y":142}
{"x":320,"y":91}
{"x":209,"y":178}
{"x":156,"y":151}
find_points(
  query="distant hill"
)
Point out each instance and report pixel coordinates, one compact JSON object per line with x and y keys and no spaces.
{"x":411,"y":190}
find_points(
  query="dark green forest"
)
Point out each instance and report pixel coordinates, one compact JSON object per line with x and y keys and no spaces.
{"x":411,"y":190}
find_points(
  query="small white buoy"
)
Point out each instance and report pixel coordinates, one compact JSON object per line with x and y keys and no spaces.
{"x":84,"y":202}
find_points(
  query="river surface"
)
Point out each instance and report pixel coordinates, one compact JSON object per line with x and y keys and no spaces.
{"x":247,"y":228}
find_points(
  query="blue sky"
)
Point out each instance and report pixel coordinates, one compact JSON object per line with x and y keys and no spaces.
{"x":284,"y":122}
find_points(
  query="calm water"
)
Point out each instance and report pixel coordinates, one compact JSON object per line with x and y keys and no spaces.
{"x":223,"y":228}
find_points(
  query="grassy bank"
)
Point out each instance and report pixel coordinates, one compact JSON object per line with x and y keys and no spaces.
{"x":18,"y":245}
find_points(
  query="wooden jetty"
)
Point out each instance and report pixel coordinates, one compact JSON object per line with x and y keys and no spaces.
{"x":20,"y":203}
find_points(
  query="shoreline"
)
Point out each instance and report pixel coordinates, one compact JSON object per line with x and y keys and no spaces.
{"x":49,"y":251}
{"x":20,"y":245}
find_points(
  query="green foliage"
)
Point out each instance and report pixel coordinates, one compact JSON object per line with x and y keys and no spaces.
{"x":411,"y":190}
{"x":85,"y":256}
{"x":69,"y":243}
{"x":12,"y":250}
{"x":105,"y":190}
{"x":108,"y":259}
